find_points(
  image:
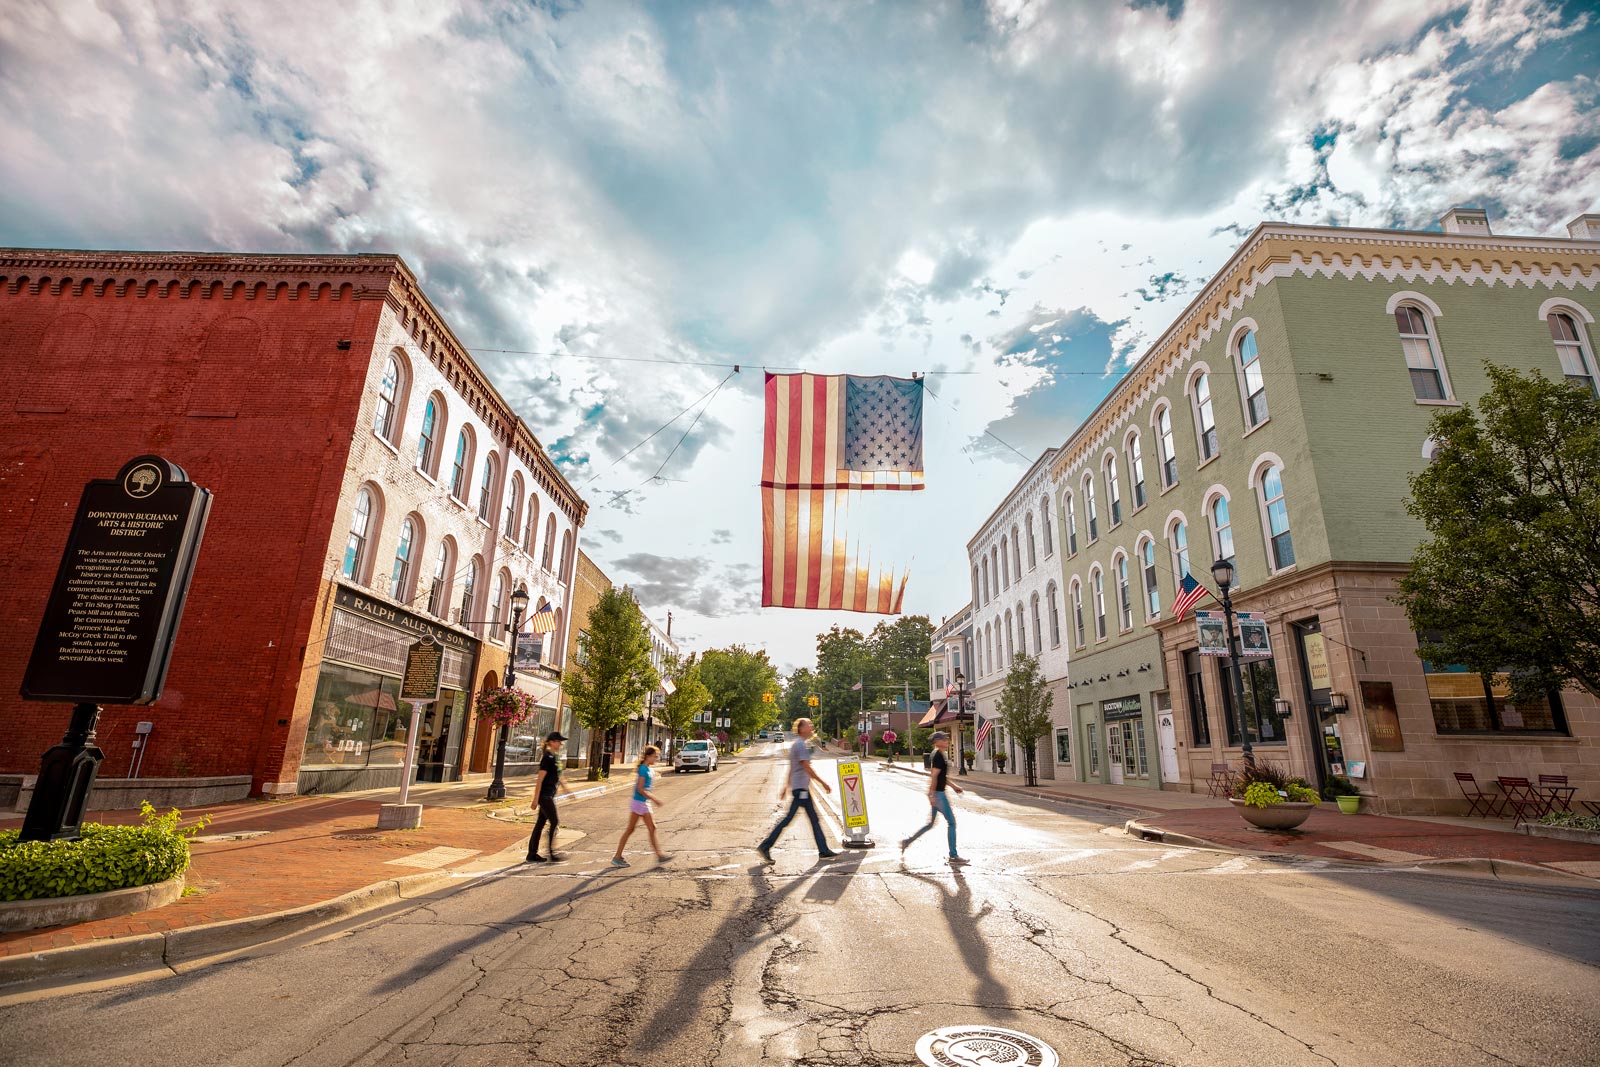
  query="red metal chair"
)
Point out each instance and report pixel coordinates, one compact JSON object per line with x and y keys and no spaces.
{"x":1522,"y":798}
{"x":1478,"y":802}
{"x":1556,"y":792}
{"x":1221,"y":783}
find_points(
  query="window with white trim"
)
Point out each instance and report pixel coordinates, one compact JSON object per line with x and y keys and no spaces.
{"x":1090,"y":514}
{"x":427,"y":440}
{"x":1135,"y":452}
{"x":1011,"y":647}
{"x":514,"y":507}
{"x":459,"y":475}
{"x":469,"y":591}
{"x":1572,"y":349}
{"x":1180,"y":550}
{"x":1421,"y":348}
{"x":547,"y":564}
{"x":486,"y":491}
{"x":1280,"y":545}
{"x":1022,"y":630}
{"x":439,"y":588}
{"x":1205,"y":420}
{"x":499,"y":596}
{"x":1113,"y":492}
{"x":985,"y":581}
{"x":1166,"y":447}
{"x":1038,"y":625}
{"x":530,"y":532}
{"x":1255,"y":385}
{"x":1044,"y":527}
{"x":1033,"y":550}
{"x":1097,"y":588}
{"x":1124,"y":596}
{"x":400,"y":575}
{"x":386,"y":419}
{"x":1152,"y":592}
{"x":1221,"y":530}
{"x":1077,"y":612}
{"x":1016,"y":553}
{"x":1069,"y":507}
{"x":1055,"y":615}
{"x":355,"y":545}
{"x":1005,"y":565}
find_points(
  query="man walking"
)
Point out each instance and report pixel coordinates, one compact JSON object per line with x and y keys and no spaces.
{"x":799,"y":790}
{"x":544,"y":788}
{"x":938,"y":801}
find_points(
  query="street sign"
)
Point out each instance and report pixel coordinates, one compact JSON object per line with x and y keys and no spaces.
{"x":854,"y":796}
{"x":424,"y":668}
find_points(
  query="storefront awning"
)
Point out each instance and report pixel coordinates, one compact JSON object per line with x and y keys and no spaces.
{"x":941,"y":712}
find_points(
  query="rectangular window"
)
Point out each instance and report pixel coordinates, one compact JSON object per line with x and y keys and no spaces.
{"x":1205,"y":421}
{"x":1094,"y":747}
{"x":1167,"y":453}
{"x":1199,"y":724}
{"x":1144,"y":758}
{"x":355,"y":720}
{"x":1136,"y":470}
{"x":1463,"y":703}
{"x":1072,"y":527}
{"x":1422,"y":359}
{"x":1114,"y":493}
{"x":1063,"y":746}
{"x":1260,"y":680}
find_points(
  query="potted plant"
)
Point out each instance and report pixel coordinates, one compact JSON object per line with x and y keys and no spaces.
{"x":1270,"y":799}
{"x":1342,"y":791}
{"x":1000,"y":762}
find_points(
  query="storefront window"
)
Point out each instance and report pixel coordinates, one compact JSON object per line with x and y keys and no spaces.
{"x":1463,"y":704}
{"x":1199,"y":724}
{"x":1260,"y":691}
{"x":353,"y":720}
{"x":1063,"y":746}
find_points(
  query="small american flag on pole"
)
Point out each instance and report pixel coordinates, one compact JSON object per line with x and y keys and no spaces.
{"x":543,"y":620}
{"x":984,"y":725}
{"x":1190,"y":593}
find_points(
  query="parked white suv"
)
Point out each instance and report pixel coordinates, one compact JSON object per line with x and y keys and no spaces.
{"x":695,"y":756}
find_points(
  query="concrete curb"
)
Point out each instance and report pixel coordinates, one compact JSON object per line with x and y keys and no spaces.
{"x":1038,"y":793}
{"x":19,"y":915}
{"x":1505,"y":870}
{"x":174,"y":948}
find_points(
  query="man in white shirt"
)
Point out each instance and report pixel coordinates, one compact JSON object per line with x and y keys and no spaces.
{"x":798,"y":788}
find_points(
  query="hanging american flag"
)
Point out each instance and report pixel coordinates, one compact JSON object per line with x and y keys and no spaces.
{"x":828,"y":439}
{"x":984,"y":726}
{"x":543,"y":621}
{"x":1190,"y":593}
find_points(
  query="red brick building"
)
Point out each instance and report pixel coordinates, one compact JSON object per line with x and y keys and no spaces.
{"x":315,"y":396}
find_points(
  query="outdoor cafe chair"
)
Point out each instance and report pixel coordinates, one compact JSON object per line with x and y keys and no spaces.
{"x":1478,"y":802}
{"x":1556,"y":792}
{"x":1221,"y":783}
{"x":1522,"y":798}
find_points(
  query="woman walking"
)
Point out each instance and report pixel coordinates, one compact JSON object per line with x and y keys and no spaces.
{"x":639,"y":807}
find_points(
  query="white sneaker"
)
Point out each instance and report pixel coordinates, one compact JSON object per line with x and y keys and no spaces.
{"x":957,"y":861}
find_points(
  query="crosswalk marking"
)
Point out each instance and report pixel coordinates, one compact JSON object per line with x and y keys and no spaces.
{"x":434,"y":858}
{"x":1374,"y":852}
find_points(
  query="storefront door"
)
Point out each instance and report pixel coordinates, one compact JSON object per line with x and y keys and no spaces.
{"x":1114,"y":751}
{"x":1166,"y":738}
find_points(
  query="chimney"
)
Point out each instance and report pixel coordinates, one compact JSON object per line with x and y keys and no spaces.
{"x":1584,"y":228}
{"x":1470,"y":221}
{"x":669,"y":624}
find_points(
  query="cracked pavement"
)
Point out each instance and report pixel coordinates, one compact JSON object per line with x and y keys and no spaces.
{"x":1111,"y":950}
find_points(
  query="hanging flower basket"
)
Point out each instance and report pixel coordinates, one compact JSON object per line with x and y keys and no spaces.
{"x":890,"y":737}
{"x":504,"y":707}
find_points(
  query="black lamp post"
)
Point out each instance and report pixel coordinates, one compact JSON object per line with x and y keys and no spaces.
{"x":1222,"y":573}
{"x":961,"y":711}
{"x":519,"y":604}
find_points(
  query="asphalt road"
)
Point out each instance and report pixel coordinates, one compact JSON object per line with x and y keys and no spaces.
{"x":1112,"y":951}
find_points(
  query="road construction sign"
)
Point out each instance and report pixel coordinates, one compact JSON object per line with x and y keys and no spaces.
{"x":853,"y":793}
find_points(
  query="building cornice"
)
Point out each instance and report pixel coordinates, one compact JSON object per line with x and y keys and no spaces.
{"x":1037,"y":473}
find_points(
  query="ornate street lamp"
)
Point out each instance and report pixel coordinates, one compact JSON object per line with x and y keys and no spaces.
{"x":961,"y":711}
{"x":519,"y":604}
{"x":1222,"y":573}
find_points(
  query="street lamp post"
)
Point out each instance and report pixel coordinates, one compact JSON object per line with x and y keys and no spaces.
{"x":519,"y":604}
{"x":961,"y":710}
{"x":1222,"y":573}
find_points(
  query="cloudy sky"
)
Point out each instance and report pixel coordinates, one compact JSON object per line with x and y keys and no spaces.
{"x":1014,"y":195}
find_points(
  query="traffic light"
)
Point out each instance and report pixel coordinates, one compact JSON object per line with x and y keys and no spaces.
{"x":812,"y":701}
{"x":766,"y":698}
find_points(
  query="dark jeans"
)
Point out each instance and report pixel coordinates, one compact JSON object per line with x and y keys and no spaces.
{"x":801,"y":801}
{"x":547,"y":814}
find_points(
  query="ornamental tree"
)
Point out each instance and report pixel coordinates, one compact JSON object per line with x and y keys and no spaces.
{"x":1509,"y":577}
{"x":689,"y":699}
{"x":1025,"y":708}
{"x":612,"y":685}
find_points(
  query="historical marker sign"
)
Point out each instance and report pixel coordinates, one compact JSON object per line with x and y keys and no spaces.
{"x":424,"y":666}
{"x":107,"y":631}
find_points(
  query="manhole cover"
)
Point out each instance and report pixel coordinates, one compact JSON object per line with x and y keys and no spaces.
{"x":983,"y":1046}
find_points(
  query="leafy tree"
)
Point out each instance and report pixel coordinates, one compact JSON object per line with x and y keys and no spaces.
{"x":1025,"y":708}
{"x":799,"y":686}
{"x":618,"y":676}
{"x":1509,"y":578}
{"x":736,"y":677}
{"x":689,"y":699}
{"x":900,"y":649}
{"x":843,"y":659}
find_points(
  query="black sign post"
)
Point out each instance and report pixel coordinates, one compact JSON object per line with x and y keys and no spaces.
{"x":107,"y":632}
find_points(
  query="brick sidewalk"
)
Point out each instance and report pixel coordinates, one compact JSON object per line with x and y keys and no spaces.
{"x":314,"y":849}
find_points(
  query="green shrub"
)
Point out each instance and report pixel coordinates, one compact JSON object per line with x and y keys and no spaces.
{"x":102,"y":859}
{"x":1266,"y":784}
{"x":1572,"y":820}
{"x":1339,"y":786}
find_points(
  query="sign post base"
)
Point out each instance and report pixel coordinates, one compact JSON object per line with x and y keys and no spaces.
{"x":66,"y":775}
{"x":399,"y":816}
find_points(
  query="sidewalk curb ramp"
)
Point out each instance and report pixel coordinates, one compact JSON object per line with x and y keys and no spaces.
{"x":1037,"y":793}
{"x":170,"y":950}
{"x":1504,"y":870}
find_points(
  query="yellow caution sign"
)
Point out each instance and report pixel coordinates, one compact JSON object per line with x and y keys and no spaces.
{"x":853,"y":795}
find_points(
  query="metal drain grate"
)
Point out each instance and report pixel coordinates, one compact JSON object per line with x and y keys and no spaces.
{"x":983,"y":1046}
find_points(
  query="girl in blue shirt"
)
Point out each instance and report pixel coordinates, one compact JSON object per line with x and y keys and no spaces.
{"x":639,"y":807}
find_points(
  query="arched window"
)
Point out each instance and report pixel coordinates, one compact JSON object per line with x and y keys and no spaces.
{"x":428,"y":439}
{"x":975,"y":600}
{"x":1077,"y":613}
{"x":1038,"y":625}
{"x":1069,"y":515}
{"x":1254,"y":382}
{"x":499,"y":605}
{"x":1205,"y":420}
{"x":1280,"y":546}
{"x":1044,"y":527}
{"x":1221,"y":529}
{"x":1022,"y":630}
{"x":361,"y":526}
{"x":400,"y":576}
{"x":1016,"y":554}
{"x":391,"y":393}
{"x":1152,"y":593}
{"x":461,"y":468}
{"x":530,"y":535}
{"x":1090,"y":514}
{"x":1166,"y":446}
{"x":1423,"y":360}
{"x":1124,"y":594}
{"x":1055,"y":615}
{"x":994,"y":568}
{"x":1011,"y":648}
{"x":469,"y":590}
{"x":514,"y":507}
{"x":444,"y":562}
{"x":1097,"y":589}
{"x":486,"y":490}
{"x":1005,"y":564}
{"x":1033,"y":548}
{"x":1135,"y":453}
{"x":1572,"y":349}
{"x":566,"y":557}
{"x":1178,"y":536}
{"x":548,"y":563}
{"x":1113,"y":492}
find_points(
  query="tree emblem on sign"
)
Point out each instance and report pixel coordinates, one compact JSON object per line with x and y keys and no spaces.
{"x":142,"y":481}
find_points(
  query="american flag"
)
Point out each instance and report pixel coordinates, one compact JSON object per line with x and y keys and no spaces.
{"x":543,"y":621}
{"x":829,"y":437}
{"x":984,"y":725}
{"x":1189,"y":594}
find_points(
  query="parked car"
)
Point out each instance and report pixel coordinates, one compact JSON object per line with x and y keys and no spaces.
{"x":695,"y":756}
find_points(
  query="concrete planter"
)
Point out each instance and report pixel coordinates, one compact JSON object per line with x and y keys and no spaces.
{"x":120,"y":794}
{"x":64,"y":911}
{"x":1349,"y":805}
{"x":1561,"y":833}
{"x":1284,"y":815}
